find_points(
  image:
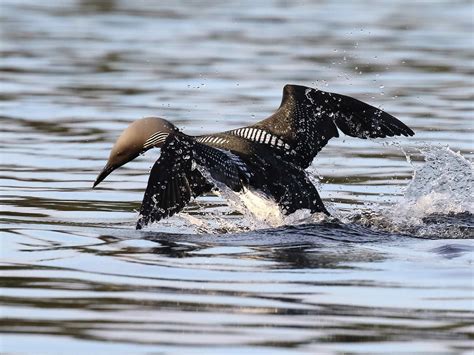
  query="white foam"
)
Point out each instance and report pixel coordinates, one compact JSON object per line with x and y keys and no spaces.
{"x":443,"y":184}
{"x":258,"y":211}
{"x":262,"y":208}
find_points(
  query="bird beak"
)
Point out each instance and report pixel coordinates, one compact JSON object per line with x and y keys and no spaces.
{"x":103,"y":174}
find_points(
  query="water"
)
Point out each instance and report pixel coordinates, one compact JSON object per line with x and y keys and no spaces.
{"x":391,"y":271}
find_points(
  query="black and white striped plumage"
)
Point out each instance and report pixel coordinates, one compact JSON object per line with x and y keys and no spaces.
{"x":269,"y":156}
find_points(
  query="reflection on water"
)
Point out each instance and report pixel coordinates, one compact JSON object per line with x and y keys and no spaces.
{"x":390,"y":272}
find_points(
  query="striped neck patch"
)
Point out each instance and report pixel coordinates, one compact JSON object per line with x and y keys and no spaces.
{"x":155,"y":139}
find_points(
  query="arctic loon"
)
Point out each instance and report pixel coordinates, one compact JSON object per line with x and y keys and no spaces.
{"x":269,"y":156}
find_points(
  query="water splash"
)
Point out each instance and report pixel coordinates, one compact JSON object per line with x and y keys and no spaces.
{"x":442,"y":184}
{"x":437,"y":201}
{"x":261,"y":210}
{"x":245,"y":211}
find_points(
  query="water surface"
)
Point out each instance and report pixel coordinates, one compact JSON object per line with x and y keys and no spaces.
{"x":391,"y":271}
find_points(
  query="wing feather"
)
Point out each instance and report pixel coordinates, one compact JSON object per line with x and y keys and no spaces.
{"x":308,"y":118}
{"x":174,"y":180}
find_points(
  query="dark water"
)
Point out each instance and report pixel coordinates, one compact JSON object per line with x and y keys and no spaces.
{"x":391,"y":272}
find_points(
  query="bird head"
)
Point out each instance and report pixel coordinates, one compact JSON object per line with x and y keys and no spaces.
{"x":136,"y":139}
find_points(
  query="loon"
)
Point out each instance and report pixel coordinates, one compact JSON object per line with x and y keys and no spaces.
{"x":269,"y":156}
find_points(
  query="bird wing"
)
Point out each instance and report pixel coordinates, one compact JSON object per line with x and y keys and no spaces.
{"x":175,"y":179}
{"x":308,"y":118}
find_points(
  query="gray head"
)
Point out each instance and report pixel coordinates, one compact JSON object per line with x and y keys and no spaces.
{"x":136,"y":139}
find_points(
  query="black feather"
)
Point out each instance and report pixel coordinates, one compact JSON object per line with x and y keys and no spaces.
{"x":174,"y":181}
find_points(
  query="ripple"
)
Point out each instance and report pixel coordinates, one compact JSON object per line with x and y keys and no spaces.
{"x":390,"y":272}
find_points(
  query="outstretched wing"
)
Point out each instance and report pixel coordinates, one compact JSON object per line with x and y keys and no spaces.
{"x":307,"y":118}
{"x":175,"y":179}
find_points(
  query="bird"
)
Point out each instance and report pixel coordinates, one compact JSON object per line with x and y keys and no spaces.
{"x":269,"y":157}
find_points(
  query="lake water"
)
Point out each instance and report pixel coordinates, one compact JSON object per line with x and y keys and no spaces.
{"x":392,"y":271}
